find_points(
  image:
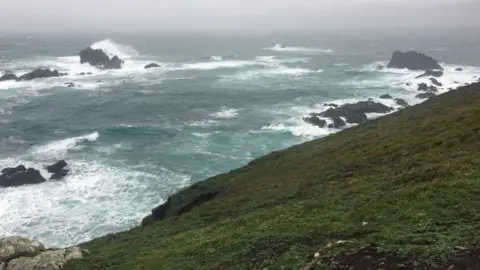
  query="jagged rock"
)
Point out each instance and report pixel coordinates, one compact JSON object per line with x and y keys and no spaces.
{"x":182,"y":202}
{"x":152,"y":65}
{"x":431,"y":73}
{"x":386,"y":96}
{"x":8,"y":76}
{"x":356,"y":113}
{"x":19,"y":177}
{"x":401,"y":102}
{"x":424,"y":87}
{"x":98,"y":58}
{"x":314,"y":120}
{"x":435,"y":82}
{"x":57,"y":167}
{"x":425,"y":95}
{"x":14,"y":247}
{"x":330,"y":105}
{"x":459,"y":69}
{"x":40,"y":73}
{"x":337,"y":123}
{"x":70,"y":84}
{"x":413,"y":61}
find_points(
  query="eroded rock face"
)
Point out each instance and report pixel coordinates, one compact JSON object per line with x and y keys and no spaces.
{"x":413,"y":60}
{"x":18,"y":253}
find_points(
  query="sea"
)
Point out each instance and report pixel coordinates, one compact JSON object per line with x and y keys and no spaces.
{"x":134,"y":136}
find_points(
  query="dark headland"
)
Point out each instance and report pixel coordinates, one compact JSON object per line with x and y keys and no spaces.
{"x":398,"y":192}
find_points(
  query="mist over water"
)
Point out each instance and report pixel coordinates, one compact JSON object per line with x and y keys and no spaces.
{"x":134,"y":136}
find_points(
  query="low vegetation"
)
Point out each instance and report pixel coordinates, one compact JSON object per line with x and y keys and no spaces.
{"x":399,"y":192}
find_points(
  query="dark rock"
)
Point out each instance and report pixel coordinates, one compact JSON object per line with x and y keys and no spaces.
{"x":356,"y":113}
{"x":59,"y":175}
{"x":98,"y":58}
{"x":8,"y":76}
{"x":10,"y":171}
{"x":455,"y":82}
{"x":459,"y":69}
{"x":314,"y":120}
{"x":431,"y":73}
{"x":39,"y":73}
{"x":408,"y":83}
{"x":425,"y":95}
{"x":30,"y":176}
{"x":386,"y":96}
{"x":380,"y":67}
{"x":70,"y":84}
{"x":330,"y":105}
{"x":401,"y":102}
{"x":81,"y":73}
{"x":413,"y":61}
{"x":424,"y":87}
{"x":99,"y":81}
{"x":89,"y":73}
{"x":152,"y":65}
{"x":57,"y":167}
{"x":435,"y":82}
{"x":337,"y":123}
{"x":182,"y":202}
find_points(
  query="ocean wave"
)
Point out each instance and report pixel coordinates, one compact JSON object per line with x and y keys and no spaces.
{"x":112,"y":48}
{"x":216,"y":58}
{"x":282,"y":48}
{"x":279,"y":71}
{"x":60,"y":148}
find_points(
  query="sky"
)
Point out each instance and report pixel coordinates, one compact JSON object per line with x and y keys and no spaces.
{"x":234,"y":15}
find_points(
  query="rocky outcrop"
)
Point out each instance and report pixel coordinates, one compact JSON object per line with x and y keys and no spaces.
{"x":356,"y":113}
{"x":386,"y":96}
{"x":180,"y":203}
{"x":436,"y":82}
{"x":98,"y":58}
{"x":314,"y":120}
{"x":431,"y":73}
{"x":425,"y":87}
{"x":19,"y":176}
{"x":40,"y":73}
{"x":152,"y":65}
{"x":425,"y":95}
{"x":58,"y":170}
{"x":337,"y":123}
{"x":459,"y":69}
{"x":8,"y":76}
{"x":18,"y":253}
{"x":413,"y":61}
{"x":401,"y":102}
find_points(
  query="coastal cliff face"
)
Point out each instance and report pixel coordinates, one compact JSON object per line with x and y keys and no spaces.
{"x":398,"y":192}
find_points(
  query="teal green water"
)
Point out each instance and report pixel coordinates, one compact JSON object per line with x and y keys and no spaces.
{"x":134,"y":136}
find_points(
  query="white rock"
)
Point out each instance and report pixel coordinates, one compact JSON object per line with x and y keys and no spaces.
{"x":15,"y":246}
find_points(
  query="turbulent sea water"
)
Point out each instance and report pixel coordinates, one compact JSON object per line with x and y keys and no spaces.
{"x":134,"y":136}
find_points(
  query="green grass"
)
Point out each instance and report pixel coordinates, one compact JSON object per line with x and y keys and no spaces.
{"x":413,"y":177}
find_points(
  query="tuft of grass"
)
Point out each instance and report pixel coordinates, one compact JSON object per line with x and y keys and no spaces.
{"x":407,"y":183}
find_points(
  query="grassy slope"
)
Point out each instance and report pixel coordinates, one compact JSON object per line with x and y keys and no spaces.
{"x":413,"y":176}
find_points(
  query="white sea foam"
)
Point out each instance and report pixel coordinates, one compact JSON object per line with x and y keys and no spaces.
{"x":226,"y":113}
{"x":59,"y":149}
{"x":216,"y":58}
{"x":112,"y":48}
{"x":282,"y":48}
{"x":276,"y":72}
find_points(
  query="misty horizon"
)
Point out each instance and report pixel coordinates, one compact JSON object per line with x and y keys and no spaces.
{"x":238,"y":16}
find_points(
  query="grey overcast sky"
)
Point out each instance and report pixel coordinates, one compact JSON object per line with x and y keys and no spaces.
{"x":231,"y":15}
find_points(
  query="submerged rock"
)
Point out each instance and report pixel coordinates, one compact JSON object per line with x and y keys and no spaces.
{"x":18,"y":253}
{"x":386,"y":96}
{"x":40,"y":73}
{"x":57,"y":167}
{"x":431,"y":73}
{"x":459,"y":69}
{"x":413,"y":60}
{"x":70,"y":84}
{"x":314,"y":120}
{"x":152,"y":65}
{"x":98,"y":58}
